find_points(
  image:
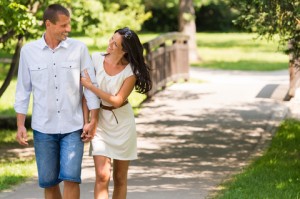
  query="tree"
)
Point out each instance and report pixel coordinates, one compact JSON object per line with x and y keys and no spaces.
{"x":15,"y":18}
{"x":187,"y":25}
{"x":274,"y":18}
{"x":22,"y":20}
{"x":115,"y":14}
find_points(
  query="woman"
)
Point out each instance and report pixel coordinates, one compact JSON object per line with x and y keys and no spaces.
{"x":118,"y":71}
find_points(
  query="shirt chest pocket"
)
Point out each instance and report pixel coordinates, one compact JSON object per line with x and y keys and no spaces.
{"x":70,"y":66}
{"x":39,"y":73}
{"x":70,"y":72}
{"x":37,"y":68}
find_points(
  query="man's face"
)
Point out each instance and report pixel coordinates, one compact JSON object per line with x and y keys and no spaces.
{"x":60,"y":29}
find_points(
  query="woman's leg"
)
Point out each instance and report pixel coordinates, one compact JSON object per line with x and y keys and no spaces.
{"x":102,"y":169}
{"x":120,"y":170}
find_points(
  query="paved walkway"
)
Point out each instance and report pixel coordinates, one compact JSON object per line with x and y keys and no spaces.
{"x":194,"y":135}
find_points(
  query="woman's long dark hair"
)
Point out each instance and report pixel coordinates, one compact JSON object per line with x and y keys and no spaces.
{"x":134,"y":55}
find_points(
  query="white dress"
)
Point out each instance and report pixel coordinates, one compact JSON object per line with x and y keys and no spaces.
{"x":116,"y":135}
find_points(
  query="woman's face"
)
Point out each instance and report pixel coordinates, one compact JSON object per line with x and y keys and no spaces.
{"x":114,"y":44}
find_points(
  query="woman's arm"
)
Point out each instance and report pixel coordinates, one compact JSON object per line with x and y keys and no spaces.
{"x":114,"y":100}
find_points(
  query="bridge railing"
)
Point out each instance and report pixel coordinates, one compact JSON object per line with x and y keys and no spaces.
{"x":167,"y":56}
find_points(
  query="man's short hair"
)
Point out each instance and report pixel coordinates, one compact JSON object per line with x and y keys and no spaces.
{"x":52,"y":11}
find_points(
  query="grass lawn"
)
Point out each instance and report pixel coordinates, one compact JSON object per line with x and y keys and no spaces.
{"x":239,"y":51}
{"x":14,"y":170}
{"x":275,"y":175}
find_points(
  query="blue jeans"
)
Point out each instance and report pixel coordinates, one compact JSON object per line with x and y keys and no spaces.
{"x":58,"y":157}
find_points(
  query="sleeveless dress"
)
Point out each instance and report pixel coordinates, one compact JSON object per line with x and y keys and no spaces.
{"x":116,"y":132}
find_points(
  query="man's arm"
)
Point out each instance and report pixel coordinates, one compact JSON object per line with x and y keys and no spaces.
{"x":22,"y":98}
{"x":86,"y":111}
{"x":92,"y":101}
{"x":90,"y":121}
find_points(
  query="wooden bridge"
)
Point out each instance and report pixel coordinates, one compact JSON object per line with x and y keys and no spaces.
{"x":167,"y":56}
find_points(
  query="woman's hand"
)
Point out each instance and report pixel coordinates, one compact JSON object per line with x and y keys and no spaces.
{"x":86,"y":81}
{"x":89,"y":131}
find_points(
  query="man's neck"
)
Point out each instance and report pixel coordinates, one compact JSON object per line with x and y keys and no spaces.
{"x":51,"y":42}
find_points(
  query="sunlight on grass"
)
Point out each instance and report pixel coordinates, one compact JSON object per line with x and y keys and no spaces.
{"x":15,"y":172}
{"x":239,"y":51}
{"x":7,"y":101}
{"x":275,"y":174}
{"x":135,"y":99}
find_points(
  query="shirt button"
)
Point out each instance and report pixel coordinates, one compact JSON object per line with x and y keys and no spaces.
{"x":54,"y":75}
{"x":56,"y":87}
{"x":58,"y":111}
{"x":57,"y":100}
{"x":70,"y":66}
{"x":53,"y":63}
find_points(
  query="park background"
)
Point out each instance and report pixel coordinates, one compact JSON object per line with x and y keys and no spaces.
{"x":228,"y":34}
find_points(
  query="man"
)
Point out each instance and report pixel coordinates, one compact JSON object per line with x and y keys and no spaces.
{"x":50,"y":69}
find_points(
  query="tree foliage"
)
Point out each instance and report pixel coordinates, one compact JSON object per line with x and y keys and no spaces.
{"x":270,"y":18}
{"x":114,"y":14}
{"x":14,"y":21}
{"x":22,"y":19}
{"x":93,"y":17}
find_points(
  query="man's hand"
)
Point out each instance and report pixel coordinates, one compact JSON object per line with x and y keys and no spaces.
{"x":21,"y":136}
{"x":89,"y":131}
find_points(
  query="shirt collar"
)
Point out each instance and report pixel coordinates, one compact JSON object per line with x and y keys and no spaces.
{"x":43,"y":44}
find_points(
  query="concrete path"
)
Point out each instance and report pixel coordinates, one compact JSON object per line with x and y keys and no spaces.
{"x":193,"y":135}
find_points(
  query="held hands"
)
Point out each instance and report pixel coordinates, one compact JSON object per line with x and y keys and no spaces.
{"x":89,"y":131}
{"x":86,"y":81}
{"x":21,"y":136}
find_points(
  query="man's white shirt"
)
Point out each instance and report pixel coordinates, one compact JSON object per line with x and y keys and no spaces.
{"x":53,"y":77}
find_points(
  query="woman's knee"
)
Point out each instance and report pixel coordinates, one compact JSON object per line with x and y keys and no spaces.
{"x":102,"y":175}
{"x":102,"y":168}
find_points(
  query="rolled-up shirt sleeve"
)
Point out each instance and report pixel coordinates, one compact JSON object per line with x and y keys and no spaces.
{"x":93,"y":102}
{"x":24,"y":87}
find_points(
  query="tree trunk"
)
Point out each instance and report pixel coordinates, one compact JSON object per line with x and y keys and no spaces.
{"x":294,"y":72}
{"x":187,"y":25}
{"x":13,"y":65}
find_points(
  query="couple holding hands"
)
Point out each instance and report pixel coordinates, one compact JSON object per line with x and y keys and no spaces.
{"x":55,"y":69}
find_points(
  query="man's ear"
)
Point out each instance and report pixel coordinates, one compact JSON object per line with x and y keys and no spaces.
{"x":47,"y":23}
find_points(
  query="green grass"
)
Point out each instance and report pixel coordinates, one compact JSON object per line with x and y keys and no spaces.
{"x":275,"y":174}
{"x":14,"y":170}
{"x":239,"y":51}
